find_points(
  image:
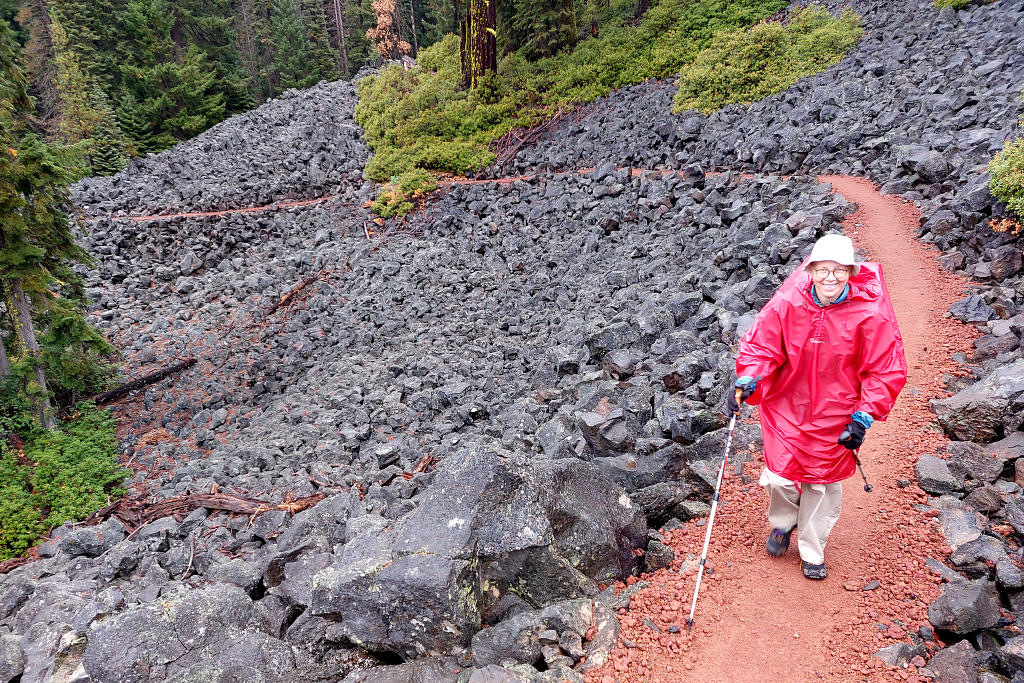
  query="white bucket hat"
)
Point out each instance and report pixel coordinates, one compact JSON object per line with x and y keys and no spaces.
{"x":834,"y":247}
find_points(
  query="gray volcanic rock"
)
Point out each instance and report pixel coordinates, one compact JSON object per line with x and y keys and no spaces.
{"x":488,"y":517}
{"x":933,"y":476}
{"x":191,"y":635}
{"x":984,"y":410}
{"x":965,"y":608}
{"x":314,"y":129}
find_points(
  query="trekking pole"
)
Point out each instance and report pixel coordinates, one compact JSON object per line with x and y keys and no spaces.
{"x":714,"y":507}
{"x":856,"y":458}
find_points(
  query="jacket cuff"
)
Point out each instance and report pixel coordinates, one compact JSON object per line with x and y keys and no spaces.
{"x":863,"y":419}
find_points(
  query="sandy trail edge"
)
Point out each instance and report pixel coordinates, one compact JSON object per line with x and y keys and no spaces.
{"x":758,"y":619}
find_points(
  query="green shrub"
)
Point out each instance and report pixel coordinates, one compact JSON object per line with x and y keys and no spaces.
{"x":59,"y":476}
{"x":958,"y":4}
{"x":398,"y":197}
{"x":748,"y":65}
{"x":423,"y":118}
{"x":20,"y":522}
{"x":1006,"y":176}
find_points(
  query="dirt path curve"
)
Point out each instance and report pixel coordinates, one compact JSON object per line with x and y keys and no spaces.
{"x":758,"y":619}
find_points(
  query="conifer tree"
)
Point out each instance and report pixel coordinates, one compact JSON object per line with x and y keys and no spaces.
{"x":478,"y":41}
{"x":107,"y":154}
{"x":291,"y":46}
{"x":253,"y":31}
{"x":175,"y":90}
{"x":136,"y":128}
{"x":78,"y":115}
{"x":541,"y":27}
{"x":35,"y":232}
{"x":323,"y":59}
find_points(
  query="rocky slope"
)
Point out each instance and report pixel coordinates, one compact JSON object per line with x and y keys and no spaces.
{"x":496,"y":399}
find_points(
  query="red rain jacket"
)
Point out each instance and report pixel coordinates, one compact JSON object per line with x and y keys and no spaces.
{"x":817,"y":367}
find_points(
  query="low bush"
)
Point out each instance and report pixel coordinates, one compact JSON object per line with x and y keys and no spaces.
{"x":1006,"y":176}
{"x":959,"y":4}
{"x":398,"y":198}
{"x":423,"y":118}
{"x":48,"y":478}
{"x":744,"y":66}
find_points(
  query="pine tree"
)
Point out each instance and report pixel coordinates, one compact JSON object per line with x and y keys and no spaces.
{"x":78,"y":115}
{"x":323,"y":58}
{"x":175,"y":88}
{"x":338,"y":24}
{"x":209,"y":26}
{"x":137,"y":129}
{"x":252,"y":30}
{"x":35,"y":233}
{"x":291,"y":46}
{"x":107,"y":153}
{"x":541,"y":27}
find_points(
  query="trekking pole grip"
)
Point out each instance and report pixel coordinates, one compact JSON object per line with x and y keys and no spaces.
{"x":739,"y":399}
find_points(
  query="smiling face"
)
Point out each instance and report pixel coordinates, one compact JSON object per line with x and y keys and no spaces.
{"x":829,"y":279}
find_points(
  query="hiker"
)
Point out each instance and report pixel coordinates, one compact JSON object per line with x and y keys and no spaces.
{"x":823,"y":360}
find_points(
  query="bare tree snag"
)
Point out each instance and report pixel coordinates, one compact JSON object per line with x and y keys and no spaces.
{"x":339,"y":25}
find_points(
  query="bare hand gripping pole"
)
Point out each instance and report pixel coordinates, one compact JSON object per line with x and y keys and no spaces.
{"x":711,"y":517}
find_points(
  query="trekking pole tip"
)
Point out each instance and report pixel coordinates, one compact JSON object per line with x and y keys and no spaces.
{"x":689,"y":624}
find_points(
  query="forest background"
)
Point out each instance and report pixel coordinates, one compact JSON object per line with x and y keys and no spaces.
{"x":128,"y":77}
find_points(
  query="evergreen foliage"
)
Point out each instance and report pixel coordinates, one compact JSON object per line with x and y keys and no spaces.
{"x":424,"y":118}
{"x":323,"y":59}
{"x":107,"y":154}
{"x":50,"y":345}
{"x":748,"y":65}
{"x":1006,"y":176}
{"x":291,"y":46}
{"x":399,"y":197}
{"x":53,"y":477}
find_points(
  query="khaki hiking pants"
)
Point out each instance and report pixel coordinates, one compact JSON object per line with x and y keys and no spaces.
{"x":813,"y":509}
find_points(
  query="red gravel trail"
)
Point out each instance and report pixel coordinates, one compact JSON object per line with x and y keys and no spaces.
{"x":758,"y":618}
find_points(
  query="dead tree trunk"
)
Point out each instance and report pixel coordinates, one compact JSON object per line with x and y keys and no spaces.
{"x":25,"y":332}
{"x":339,"y":25}
{"x":412,"y":22}
{"x":478,"y":45}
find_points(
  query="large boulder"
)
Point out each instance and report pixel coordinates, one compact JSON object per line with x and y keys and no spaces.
{"x":987,"y":409}
{"x":965,"y":607}
{"x":492,"y":522}
{"x":212,"y":634}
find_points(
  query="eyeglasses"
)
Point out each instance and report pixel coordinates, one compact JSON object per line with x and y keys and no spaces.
{"x":839,"y":273}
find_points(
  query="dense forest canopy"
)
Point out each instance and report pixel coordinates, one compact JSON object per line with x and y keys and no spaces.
{"x":127,"y":77}
{"x":137,"y":76}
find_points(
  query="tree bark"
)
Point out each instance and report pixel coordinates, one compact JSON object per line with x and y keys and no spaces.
{"x":478,"y":45}
{"x":25,"y":331}
{"x":412,"y":22}
{"x":339,"y":25}
{"x":5,"y":364}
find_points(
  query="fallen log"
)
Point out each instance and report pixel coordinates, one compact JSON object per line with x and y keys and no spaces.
{"x":137,"y":512}
{"x":145,"y":380}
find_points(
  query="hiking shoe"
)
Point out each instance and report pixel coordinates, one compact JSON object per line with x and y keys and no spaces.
{"x":814,"y":571}
{"x":778,"y":541}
